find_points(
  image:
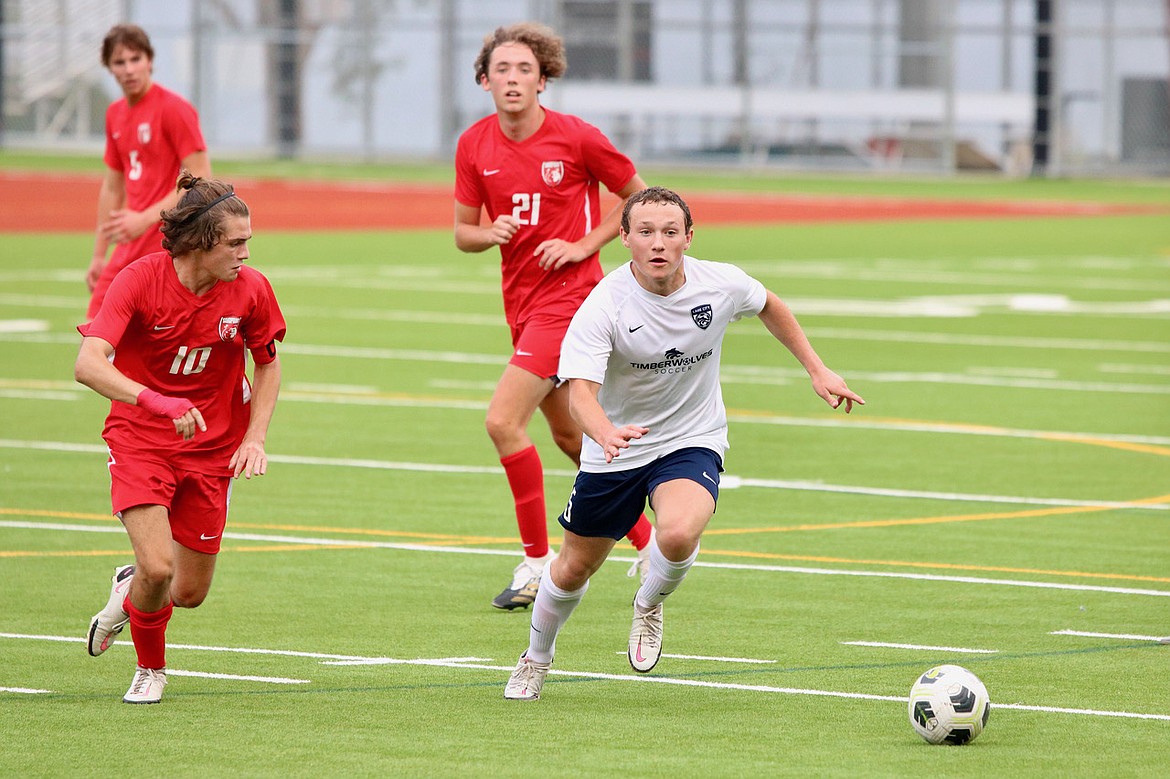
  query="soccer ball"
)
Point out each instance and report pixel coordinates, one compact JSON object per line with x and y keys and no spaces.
{"x":949,"y":705}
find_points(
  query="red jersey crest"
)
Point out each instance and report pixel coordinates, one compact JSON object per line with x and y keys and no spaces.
{"x":552,"y":172}
{"x":144,"y":132}
{"x":229,"y":327}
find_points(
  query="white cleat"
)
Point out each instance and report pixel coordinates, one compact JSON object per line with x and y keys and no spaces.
{"x":147,"y":686}
{"x":645,"y":639}
{"x":108,"y":622}
{"x":525,"y":682}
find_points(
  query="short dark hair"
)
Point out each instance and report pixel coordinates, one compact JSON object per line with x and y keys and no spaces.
{"x":545,"y":44}
{"x":661,"y":196}
{"x":197,"y":221}
{"x":129,"y":35}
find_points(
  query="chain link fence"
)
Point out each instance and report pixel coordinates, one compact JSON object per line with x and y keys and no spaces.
{"x":887,"y":85}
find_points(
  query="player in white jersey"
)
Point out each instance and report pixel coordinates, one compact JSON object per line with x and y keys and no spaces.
{"x":642,"y":361}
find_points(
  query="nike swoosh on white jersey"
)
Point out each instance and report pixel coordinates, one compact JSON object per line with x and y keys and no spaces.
{"x":487,"y":172}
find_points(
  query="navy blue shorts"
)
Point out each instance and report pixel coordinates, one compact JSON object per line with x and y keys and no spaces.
{"x":609,"y":504}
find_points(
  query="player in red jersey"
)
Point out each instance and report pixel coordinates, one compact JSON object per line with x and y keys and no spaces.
{"x":536,"y":173}
{"x":185,"y":420}
{"x":151,"y":134}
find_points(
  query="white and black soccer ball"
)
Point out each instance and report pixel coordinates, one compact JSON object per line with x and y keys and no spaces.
{"x":949,"y":705}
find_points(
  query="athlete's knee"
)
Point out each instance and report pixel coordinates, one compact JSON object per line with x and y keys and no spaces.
{"x":501,"y":428}
{"x":676,"y":542}
{"x":571,"y":575}
{"x":153,"y":576}
{"x":188,"y":597}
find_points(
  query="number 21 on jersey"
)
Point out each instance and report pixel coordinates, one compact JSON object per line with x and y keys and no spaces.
{"x":526,"y":208}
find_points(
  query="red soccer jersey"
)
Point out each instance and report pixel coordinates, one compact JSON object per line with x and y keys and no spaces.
{"x":549,"y":182}
{"x":146,"y":142}
{"x":187,"y":346}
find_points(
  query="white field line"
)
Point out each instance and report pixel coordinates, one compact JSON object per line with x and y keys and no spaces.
{"x":23,"y":326}
{"x":237,"y":678}
{"x":731,"y":374}
{"x":345,"y":395}
{"x":1124,"y":636}
{"x":371,"y":544}
{"x":1015,"y":271}
{"x":1112,"y":347}
{"x":444,"y":661}
{"x":461,"y":664}
{"x":708,"y":658}
{"x":727,"y":482}
{"x":28,"y":394}
{"x":883,"y":645}
{"x":24,"y":690}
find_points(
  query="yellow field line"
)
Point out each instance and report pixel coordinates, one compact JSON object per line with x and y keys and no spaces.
{"x":944,"y":566}
{"x":129,"y":553}
{"x":58,"y":514}
{"x":448,"y":537}
{"x":1161,"y":451}
{"x":448,"y":540}
{"x":706,"y":552}
{"x":435,"y":537}
{"x":930,"y":520}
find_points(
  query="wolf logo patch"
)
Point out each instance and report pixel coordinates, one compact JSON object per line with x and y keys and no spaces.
{"x":229,"y":328}
{"x":553,"y":173}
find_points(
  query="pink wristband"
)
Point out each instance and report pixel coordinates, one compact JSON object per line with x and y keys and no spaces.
{"x":162,"y":405}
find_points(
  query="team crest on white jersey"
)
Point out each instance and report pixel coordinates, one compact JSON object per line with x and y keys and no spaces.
{"x":702,"y":316}
{"x":552,"y":172}
{"x":229,"y":327}
{"x":144,"y":133}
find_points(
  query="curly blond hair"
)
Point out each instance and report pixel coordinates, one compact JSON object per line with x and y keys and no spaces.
{"x":548,"y":47}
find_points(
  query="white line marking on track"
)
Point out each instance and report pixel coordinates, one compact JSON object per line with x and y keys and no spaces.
{"x":318,"y":541}
{"x":881,"y":644}
{"x":620,"y":677}
{"x":1125,"y":636}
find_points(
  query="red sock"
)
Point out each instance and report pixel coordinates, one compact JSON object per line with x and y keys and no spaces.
{"x":526,"y":478}
{"x":148,"y":630}
{"x":639,"y":534}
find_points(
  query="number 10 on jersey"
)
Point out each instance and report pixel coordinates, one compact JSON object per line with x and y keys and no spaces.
{"x":189,"y":361}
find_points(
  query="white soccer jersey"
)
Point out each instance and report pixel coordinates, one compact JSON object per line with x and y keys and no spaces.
{"x":657,"y":358}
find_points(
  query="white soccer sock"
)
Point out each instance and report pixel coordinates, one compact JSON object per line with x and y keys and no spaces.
{"x":550,"y":611}
{"x":663,"y":578}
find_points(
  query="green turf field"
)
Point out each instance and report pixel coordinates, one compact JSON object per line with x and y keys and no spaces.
{"x":1002,"y":502}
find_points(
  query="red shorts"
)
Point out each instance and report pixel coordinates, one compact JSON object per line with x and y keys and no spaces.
{"x":537,"y":345}
{"x":197,"y":504}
